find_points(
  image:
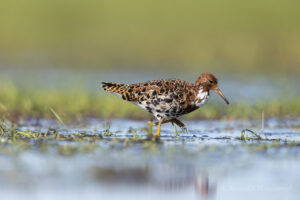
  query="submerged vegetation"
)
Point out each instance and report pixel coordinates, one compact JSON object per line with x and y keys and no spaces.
{"x":17,"y":103}
{"x":16,"y":138}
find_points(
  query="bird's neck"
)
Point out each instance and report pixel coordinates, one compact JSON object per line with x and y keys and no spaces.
{"x":202,"y":96}
{"x":202,"y":91}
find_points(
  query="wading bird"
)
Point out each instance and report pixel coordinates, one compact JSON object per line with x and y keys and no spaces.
{"x":167,"y":99}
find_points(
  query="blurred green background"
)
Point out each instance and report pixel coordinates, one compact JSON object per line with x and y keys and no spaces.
{"x":55,"y":53}
{"x":220,"y":36}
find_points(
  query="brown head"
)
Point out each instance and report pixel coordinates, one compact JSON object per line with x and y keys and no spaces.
{"x":209,"y":82}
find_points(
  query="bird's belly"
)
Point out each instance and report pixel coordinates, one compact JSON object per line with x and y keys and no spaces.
{"x":162,"y":109}
{"x":167,"y":110}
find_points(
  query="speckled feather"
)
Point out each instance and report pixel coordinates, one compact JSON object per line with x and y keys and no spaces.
{"x":164,"y":98}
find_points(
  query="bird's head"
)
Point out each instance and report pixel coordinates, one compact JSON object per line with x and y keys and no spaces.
{"x":208,"y":81}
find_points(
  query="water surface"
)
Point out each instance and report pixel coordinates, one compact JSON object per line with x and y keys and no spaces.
{"x":210,"y":161}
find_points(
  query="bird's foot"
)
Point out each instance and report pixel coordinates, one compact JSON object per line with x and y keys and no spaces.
{"x":184,"y":129}
{"x":180,"y":124}
{"x":150,"y":123}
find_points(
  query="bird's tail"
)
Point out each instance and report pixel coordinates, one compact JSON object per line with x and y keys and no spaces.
{"x":112,"y":87}
{"x":123,"y":90}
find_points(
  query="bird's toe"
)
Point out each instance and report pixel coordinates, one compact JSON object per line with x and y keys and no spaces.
{"x":150,"y":123}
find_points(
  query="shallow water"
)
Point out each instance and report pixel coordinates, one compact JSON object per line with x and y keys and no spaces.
{"x":210,"y":161}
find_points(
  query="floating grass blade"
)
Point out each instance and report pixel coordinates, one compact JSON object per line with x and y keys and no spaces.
{"x":258,"y":136}
{"x":57,"y":116}
{"x":243,"y":135}
{"x":28,"y":135}
{"x":13,"y":133}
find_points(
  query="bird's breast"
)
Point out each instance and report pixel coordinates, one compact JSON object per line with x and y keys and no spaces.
{"x":201,"y":97}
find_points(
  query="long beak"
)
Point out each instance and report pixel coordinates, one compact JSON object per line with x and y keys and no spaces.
{"x":218,"y":91}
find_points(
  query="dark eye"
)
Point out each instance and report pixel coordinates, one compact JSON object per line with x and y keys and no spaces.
{"x":211,"y":81}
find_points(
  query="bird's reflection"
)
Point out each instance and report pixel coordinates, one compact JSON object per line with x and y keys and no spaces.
{"x":205,"y":187}
{"x":166,"y":178}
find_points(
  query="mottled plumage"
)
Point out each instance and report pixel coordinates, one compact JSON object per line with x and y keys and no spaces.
{"x":167,"y":99}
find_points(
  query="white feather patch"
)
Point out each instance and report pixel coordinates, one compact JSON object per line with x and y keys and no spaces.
{"x":202,"y":97}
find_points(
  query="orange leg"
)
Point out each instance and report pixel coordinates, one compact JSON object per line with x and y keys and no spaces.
{"x":158,"y":128}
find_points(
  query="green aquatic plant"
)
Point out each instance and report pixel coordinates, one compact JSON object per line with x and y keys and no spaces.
{"x":13,"y":133}
{"x":2,"y":128}
{"x":57,"y":116}
{"x":149,"y":132}
{"x":135,"y":135}
{"x":107,"y":131}
{"x":244,"y":137}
